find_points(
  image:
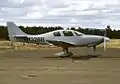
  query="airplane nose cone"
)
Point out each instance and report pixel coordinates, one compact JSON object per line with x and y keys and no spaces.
{"x":107,"y":39}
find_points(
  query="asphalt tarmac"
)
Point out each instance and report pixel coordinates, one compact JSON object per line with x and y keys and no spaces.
{"x":42,"y":67}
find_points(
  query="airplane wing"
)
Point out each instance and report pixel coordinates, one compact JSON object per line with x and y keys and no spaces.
{"x":61,"y":43}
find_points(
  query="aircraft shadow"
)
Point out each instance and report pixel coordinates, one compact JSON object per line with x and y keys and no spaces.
{"x":84,"y":57}
{"x":75,"y":57}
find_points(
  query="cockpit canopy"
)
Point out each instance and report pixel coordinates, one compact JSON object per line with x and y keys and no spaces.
{"x":67,"y":33}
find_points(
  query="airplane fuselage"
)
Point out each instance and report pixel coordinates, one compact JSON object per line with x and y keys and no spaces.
{"x":77,"y":39}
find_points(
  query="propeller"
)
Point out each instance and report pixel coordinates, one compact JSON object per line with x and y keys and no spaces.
{"x":105,"y":45}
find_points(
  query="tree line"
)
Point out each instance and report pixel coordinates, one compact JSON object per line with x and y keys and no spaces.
{"x":113,"y":34}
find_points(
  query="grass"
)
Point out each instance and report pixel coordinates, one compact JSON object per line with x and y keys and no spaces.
{"x":114,"y":43}
{"x":22,"y":46}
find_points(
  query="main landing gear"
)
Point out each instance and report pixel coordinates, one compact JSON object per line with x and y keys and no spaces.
{"x":64,"y":53}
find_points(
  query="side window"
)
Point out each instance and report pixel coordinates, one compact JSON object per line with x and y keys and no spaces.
{"x":56,"y":34}
{"x":78,"y":34}
{"x":67,"y":33}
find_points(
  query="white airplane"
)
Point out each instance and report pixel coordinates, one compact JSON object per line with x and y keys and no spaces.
{"x":60,"y":38}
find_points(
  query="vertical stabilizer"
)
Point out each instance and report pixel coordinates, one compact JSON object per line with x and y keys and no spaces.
{"x":13,"y":30}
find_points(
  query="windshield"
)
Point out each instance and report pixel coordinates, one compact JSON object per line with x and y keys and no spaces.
{"x":78,"y":33}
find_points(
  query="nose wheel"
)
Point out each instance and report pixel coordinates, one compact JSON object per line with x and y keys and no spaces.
{"x":94,"y":48}
{"x":64,"y":53}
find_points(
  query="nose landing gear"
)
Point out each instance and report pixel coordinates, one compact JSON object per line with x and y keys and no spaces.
{"x":94,"y":48}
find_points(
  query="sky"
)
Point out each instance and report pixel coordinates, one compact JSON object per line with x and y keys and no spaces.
{"x":66,"y":13}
